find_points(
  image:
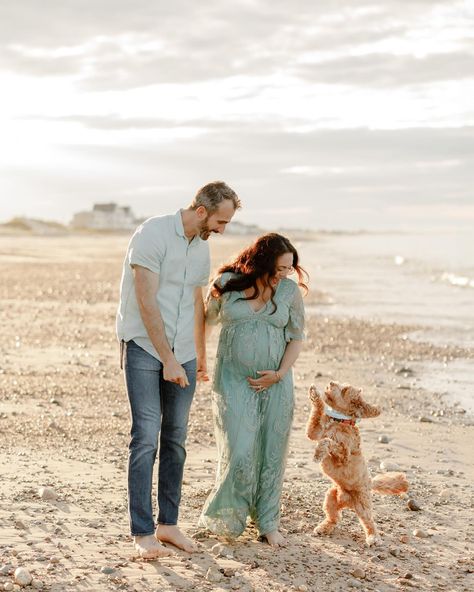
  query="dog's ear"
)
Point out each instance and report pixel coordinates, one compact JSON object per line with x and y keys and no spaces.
{"x":360,"y":408}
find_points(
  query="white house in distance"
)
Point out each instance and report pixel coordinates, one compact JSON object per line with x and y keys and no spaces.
{"x":106,"y":216}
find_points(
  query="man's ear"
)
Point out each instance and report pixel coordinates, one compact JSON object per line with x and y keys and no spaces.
{"x":201,"y":212}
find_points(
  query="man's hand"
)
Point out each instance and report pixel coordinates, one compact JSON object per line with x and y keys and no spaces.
{"x":201,"y":375}
{"x":174,"y":372}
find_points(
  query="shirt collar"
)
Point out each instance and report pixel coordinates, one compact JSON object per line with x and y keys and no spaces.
{"x":178,"y":224}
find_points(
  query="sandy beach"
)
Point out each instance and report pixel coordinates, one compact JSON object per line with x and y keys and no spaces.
{"x":64,"y":434}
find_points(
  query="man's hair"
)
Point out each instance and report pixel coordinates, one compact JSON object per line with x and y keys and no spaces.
{"x":212,"y":195}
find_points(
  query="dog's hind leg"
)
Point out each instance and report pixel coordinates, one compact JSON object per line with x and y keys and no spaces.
{"x":331,"y":508}
{"x":363,"y":509}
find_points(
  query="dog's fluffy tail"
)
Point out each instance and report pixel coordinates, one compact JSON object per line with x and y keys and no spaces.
{"x":390,"y":483}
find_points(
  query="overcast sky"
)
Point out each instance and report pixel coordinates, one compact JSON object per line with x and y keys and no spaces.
{"x":329,"y":114}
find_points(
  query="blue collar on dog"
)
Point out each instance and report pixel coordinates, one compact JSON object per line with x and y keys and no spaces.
{"x":330,"y":412}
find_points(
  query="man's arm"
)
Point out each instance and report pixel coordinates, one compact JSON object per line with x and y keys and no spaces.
{"x":200,"y":334}
{"x":146,"y":287}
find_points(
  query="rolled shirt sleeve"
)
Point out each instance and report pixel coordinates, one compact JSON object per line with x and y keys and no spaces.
{"x":147,"y":248}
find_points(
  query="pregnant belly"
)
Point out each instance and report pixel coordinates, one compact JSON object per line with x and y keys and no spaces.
{"x":256,"y":347}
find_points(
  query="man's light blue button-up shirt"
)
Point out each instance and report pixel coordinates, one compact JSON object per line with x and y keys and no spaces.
{"x":160,"y":245}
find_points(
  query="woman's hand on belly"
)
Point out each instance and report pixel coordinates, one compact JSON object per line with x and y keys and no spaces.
{"x":267,"y":379}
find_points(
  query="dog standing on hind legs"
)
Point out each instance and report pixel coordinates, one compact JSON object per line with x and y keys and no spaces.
{"x":332,"y":423}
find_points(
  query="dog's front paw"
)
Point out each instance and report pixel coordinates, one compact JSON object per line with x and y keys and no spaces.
{"x":373,"y":540}
{"x":322,"y":449}
{"x":313,"y":394}
{"x":325,"y":528}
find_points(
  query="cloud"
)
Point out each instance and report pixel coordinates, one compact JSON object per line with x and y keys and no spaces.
{"x":121,"y":45}
{"x":388,"y":70}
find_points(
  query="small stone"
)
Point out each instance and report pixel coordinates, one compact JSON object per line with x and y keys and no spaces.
{"x":404,"y":539}
{"x":394,"y":551}
{"x":387,"y":465}
{"x":425,"y":419}
{"x":6,"y":570}
{"x":405,"y":371}
{"x":254,"y":565}
{"x":445,"y":494}
{"x":107,"y":570}
{"x":200,"y":534}
{"x":212,"y":575}
{"x":8,"y":586}
{"x":235,"y":583}
{"x":221,"y":550}
{"x":413,"y":505}
{"x":22,"y":577}
{"x":54,"y":401}
{"x":408,"y":576}
{"x":383,"y":439}
{"x":421,"y":534}
{"x":229,"y":572}
{"x":20,"y":525}
{"x":358,"y":573}
{"x":54,"y":559}
{"x":36,"y":584}
{"x":47,"y":493}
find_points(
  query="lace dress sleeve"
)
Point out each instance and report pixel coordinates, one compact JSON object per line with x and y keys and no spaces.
{"x":213,"y":303}
{"x":295,"y":326}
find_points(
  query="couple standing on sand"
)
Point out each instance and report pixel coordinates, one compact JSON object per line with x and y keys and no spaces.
{"x":161,"y":325}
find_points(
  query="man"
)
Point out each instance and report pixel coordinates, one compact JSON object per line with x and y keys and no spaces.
{"x":160,"y":325}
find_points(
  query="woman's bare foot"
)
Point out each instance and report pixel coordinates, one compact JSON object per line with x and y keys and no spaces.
{"x":170,"y":533}
{"x":275,"y":539}
{"x":148,"y":547}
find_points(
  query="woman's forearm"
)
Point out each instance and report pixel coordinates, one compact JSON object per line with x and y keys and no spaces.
{"x":292,"y":351}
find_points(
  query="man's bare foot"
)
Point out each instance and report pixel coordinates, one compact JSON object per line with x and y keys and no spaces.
{"x":148,"y":547}
{"x":275,"y":539}
{"x":170,"y":533}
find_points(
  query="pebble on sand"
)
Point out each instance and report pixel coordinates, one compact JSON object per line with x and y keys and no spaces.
{"x":22,"y":577}
{"x":47,"y":493}
{"x":212,"y":575}
{"x":221,"y":550}
{"x":413,"y":505}
{"x":387,"y":465}
{"x":358,"y":573}
{"x":421,"y":534}
{"x":7,"y":586}
{"x":383,"y":439}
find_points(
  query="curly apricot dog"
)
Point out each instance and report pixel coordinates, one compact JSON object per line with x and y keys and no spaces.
{"x":334,"y":427}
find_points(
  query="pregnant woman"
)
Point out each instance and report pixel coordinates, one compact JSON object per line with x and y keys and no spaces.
{"x":262,"y":319}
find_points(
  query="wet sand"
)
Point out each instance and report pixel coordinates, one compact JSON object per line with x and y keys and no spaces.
{"x":64,"y":425}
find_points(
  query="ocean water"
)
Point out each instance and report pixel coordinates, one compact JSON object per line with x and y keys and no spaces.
{"x":424,"y":279}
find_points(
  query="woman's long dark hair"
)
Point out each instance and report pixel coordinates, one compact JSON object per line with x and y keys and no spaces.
{"x":259,"y":261}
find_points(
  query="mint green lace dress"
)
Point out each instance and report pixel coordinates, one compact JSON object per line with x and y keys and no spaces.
{"x":252,"y":429}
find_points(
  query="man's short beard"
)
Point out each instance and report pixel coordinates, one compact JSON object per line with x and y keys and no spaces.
{"x":203,"y":229}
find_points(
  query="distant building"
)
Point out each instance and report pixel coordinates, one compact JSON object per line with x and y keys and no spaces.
{"x":240,"y":228}
{"x":107,"y":216}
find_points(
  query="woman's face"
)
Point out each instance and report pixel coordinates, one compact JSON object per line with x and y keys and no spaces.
{"x":284,"y":266}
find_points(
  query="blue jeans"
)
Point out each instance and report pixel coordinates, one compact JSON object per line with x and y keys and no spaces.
{"x":158,"y":408}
